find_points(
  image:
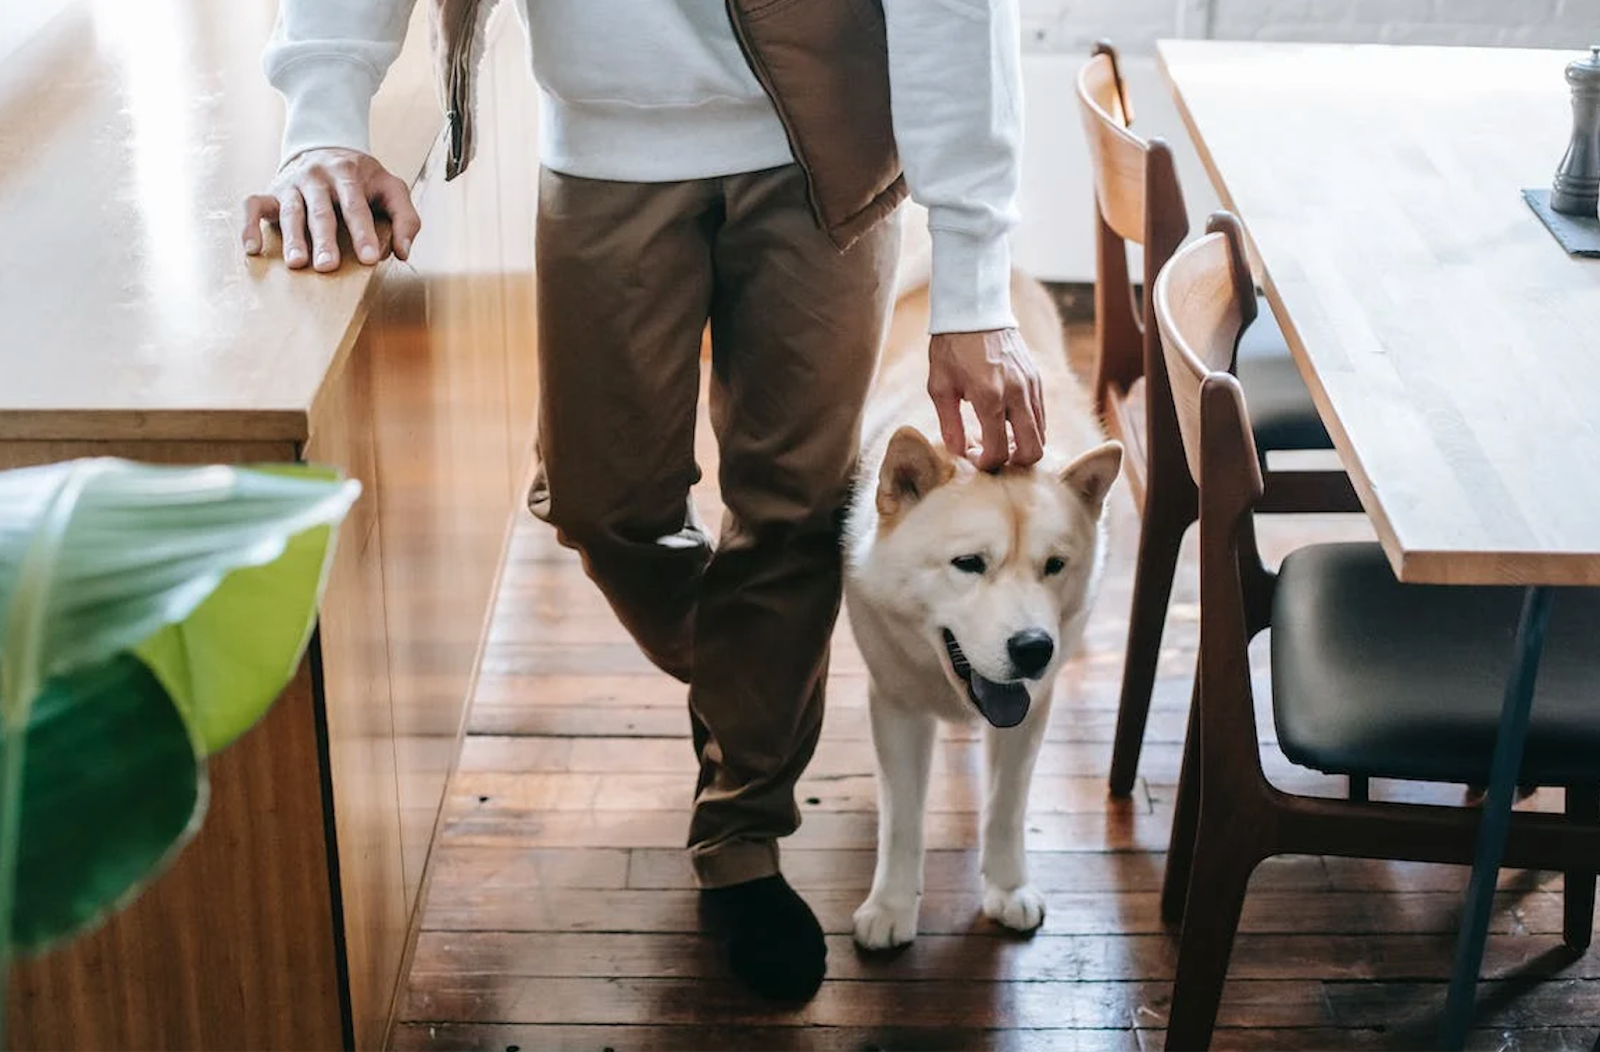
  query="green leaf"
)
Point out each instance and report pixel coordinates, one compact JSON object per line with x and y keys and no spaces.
{"x":148,"y":616}
{"x":111,"y":792}
{"x":226,"y":662}
{"x":144,"y":545}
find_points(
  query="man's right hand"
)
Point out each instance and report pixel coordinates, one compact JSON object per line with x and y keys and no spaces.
{"x":319,"y":188}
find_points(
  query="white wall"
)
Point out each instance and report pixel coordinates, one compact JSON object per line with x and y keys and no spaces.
{"x":1057,"y":204}
{"x":21,"y":19}
{"x":1070,"y":25}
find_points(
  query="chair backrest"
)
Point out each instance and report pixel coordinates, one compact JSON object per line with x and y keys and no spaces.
{"x":1117,"y":154}
{"x":1204,"y":299}
{"x":1138,"y":199}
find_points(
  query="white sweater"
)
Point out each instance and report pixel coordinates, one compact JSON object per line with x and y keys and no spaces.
{"x":658,"y":90}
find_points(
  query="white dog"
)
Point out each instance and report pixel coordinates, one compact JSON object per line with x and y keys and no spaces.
{"x":966,"y":591}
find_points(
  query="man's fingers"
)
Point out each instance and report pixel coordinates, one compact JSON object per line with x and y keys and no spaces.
{"x":318,"y":191}
{"x":394,"y":197}
{"x":258,"y":208}
{"x":948,"y":405}
{"x":1036,"y":400}
{"x":324,"y":224}
{"x":1025,"y":427}
{"x":992,"y":419}
{"x":292,"y":222}
{"x":358,"y":219}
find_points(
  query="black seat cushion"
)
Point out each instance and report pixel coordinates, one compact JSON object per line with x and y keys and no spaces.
{"x":1374,"y":677}
{"x":1282,"y":414}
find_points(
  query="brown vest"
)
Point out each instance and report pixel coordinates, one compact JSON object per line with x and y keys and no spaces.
{"x":824,"y":64}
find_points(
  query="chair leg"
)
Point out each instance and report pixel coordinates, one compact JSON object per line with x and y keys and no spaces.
{"x":1583,"y":805}
{"x":1185,"y":817}
{"x":1360,"y":788}
{"x":1160,"y":537}
{"x":1222,"y":867}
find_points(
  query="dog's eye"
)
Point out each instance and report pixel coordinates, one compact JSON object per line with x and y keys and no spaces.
{"x":1054,"y":565}
{"x":969,"y":563}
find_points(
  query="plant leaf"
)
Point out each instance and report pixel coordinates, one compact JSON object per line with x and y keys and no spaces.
{"x":111,"y":793}
{"x":145,"y":545}
{"x":225,"y":664}
{"x":156,"y":613}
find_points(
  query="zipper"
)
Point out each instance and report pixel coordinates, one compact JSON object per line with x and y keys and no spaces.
{"x":460,"y":99}
{"x":764,"y":78}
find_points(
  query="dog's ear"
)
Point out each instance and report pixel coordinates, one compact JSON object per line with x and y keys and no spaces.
{"x":1091,"y":475}
{"x":912,"y":468}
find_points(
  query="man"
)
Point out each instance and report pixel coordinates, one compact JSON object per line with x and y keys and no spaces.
{"x":738,"y":164}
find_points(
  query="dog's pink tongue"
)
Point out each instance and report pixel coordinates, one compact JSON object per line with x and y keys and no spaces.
{"x":1002,"y":704}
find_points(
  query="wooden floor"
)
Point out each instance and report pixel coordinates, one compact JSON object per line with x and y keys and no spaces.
{"x":562,"y":916}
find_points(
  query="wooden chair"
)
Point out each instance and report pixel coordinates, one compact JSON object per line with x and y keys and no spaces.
{"x":1139,"y":200}
{"x":1370,"y":677}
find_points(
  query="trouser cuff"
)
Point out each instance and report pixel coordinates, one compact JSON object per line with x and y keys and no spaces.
{"x":734,"y":862}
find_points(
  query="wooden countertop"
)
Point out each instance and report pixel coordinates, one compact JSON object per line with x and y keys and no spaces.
{"x":129,"y":135}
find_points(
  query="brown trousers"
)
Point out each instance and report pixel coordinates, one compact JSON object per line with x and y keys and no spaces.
{"x":628,"y":276}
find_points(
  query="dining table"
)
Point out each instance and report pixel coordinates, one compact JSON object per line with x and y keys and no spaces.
{"x":1450,"y":342}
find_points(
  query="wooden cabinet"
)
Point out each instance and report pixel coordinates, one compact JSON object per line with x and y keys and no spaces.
{"x":136,"y":328}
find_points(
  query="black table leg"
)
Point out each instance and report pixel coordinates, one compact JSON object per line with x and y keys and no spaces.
{"x":1496,"y":815}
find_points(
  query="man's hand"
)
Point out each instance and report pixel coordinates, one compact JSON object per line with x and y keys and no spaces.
{"x":318,"y":188}
{"x":995,"y":372}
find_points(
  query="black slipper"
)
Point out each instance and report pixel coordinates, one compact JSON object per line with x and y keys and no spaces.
{"x":773,"y":941}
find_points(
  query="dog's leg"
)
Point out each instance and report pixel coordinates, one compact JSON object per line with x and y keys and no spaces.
{"x":1008,"y":898}
{"x":903,"y":739}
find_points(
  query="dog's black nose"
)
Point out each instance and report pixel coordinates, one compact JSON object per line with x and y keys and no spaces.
{"x":1030,"y":651}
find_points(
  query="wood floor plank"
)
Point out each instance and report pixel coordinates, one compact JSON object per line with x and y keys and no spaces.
{"x":1271,"y":1004}
{"x":932,"y":1003}
{"x":478,"y":1037}
{"x":1044,"y":958}
{"x":494,"y":753}
{"x":476,"y":907}
{"x":1503,"y":1003}
{"x":1381,"y":1039}
{"x":1082,"y":686}
{"x":843,"y":723}
{"x":952,"y":757}
{"x":814,"y":869}
{"x":629,"y":790}
{"x":1119,"y":826}
{"x":537,"y":867}
{"x":634,"y":791}
{"x":822,"y":868}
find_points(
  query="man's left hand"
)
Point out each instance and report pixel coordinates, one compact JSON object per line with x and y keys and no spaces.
{"x":995,"y":372}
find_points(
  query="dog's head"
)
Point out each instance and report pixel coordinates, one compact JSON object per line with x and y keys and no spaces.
{"x":995,"y":571}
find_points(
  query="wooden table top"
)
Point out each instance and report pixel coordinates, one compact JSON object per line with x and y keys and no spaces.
{"x":1452,"y":346}
{"x":129,"y":135}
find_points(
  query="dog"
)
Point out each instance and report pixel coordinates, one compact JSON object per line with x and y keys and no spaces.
{"x":966,"y":591}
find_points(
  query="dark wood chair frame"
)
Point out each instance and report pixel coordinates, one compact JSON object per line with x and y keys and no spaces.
{"x":1237,"y":817}
{"x":1138,"y":199}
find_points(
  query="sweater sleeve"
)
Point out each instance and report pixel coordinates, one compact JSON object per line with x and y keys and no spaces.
{"x":955,"y":83}
{"x":327,"y":58}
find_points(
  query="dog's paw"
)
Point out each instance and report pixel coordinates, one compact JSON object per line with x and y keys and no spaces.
{"x":1020,"y":909}
{"x":882,"y":924}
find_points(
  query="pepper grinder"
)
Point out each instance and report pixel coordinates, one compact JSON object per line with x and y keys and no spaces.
{"x":1576,"y":190}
